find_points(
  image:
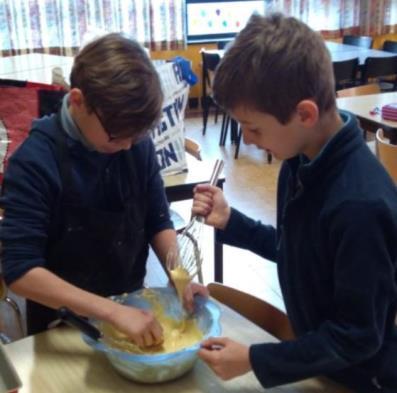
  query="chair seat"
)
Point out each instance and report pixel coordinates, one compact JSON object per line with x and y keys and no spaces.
{"x":256,"y":310}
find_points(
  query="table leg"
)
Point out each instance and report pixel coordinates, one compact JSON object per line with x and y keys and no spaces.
{"x":218,"y":250}
{"x":218,"y":259}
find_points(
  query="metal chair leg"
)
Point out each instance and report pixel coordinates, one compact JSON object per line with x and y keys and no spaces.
{"x":17,"y":312}
{"x":4,"y":339}
{"x":205,"y":115}
{"x":222,"y":128}
{"x":216,"y":114}
{"x":224,"y":132}
{"x":238,"y":140}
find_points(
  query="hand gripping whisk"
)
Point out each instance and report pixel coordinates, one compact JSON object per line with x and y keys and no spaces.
{"x":188,"y":257}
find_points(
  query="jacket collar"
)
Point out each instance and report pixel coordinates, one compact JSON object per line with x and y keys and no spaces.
{"x":347,"y":139}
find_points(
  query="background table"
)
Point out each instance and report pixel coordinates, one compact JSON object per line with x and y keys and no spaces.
{"x":340,"y":52}
{"x":362,"y":106}
{"x":34,"y":67}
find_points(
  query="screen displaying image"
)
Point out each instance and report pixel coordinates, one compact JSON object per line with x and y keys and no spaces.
{"x":211,"y":21}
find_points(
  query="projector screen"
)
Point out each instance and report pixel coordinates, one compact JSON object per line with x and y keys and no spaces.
{"x":209,"y":21}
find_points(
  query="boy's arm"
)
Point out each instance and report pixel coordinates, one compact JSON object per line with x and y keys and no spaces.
{"x":233,"y":227}
{"x":44,"y":287}
{"x":162,"y":242}
{"x":29,"y":192}
{"x":244,"y":232}
{"x":363,"y":236}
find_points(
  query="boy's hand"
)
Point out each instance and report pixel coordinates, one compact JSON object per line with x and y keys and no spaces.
{"x":209,"y":202}
{"x":192,"y":289}
{"x":226,"y":358}
{"x":139,"y":325}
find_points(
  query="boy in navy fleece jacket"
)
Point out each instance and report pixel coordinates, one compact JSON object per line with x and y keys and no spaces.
{"x":83,"y":196}
{"x":335,"y":243}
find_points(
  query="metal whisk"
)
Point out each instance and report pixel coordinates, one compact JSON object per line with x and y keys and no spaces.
{"x":188,"y":256}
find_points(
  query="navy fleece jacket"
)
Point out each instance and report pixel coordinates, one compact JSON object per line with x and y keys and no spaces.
{"x":336,"y":249}
{"x":32,"y":190}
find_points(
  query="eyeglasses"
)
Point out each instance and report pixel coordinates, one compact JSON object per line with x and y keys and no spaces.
{"x":108,"y":133}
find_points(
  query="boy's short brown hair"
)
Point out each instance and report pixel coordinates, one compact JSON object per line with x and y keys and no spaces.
{"x":120,"y":84}
{"x":274,"y":63}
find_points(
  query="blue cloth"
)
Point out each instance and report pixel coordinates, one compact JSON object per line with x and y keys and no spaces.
{"x":336,"y":249}
{"x":187,"y":74}
{"x":32,"y":192}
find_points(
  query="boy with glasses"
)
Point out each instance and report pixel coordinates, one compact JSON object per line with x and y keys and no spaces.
{"x":83,"y":196}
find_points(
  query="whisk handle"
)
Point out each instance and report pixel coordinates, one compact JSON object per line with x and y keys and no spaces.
{"x":218,"y":167}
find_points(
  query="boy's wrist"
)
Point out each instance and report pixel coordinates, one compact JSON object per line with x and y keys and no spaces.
{"x":107,"y":311}
{"x":226,"y":218}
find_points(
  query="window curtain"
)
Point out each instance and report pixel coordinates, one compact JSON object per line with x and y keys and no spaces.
{"x":61,"y":26}
{"x":335,"y":18}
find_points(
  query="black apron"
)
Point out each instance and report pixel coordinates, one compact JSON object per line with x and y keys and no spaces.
{"x":103,"y":251}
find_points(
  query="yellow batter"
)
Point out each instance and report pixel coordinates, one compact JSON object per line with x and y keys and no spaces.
{"x":177,"y":334}
{"x":181,"y":279}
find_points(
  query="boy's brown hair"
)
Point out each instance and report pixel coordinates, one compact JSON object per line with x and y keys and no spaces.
{"x":119,"y":84}
{"x":274,"y":63}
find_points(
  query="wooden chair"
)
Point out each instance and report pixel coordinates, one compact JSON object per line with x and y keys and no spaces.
{"x":356,"y":40}
{"x":256,"y":310}
{"x":387,"y":154}
{"x":193,"y":148}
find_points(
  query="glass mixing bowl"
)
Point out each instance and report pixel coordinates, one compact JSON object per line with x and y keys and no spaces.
{"x":153,"y":368}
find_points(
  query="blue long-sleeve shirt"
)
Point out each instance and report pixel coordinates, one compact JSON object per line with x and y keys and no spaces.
{"x":336,"y":251}
{"x":32,"y":191}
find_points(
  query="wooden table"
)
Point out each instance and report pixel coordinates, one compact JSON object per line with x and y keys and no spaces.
{"x":58,"y":361}
{"x":362,"y":106}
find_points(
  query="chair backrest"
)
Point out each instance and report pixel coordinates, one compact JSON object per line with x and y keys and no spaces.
{"x":356,"y":40}
{"x":256,"y":310}
{"x":223,"y":44}
{"x":375,"y":67}
{"x":209,"y":63}
{"x":345,"y":72}
{"x":387,"y":154}
{"x":390,"y":46}
{"x":193,"y":148}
